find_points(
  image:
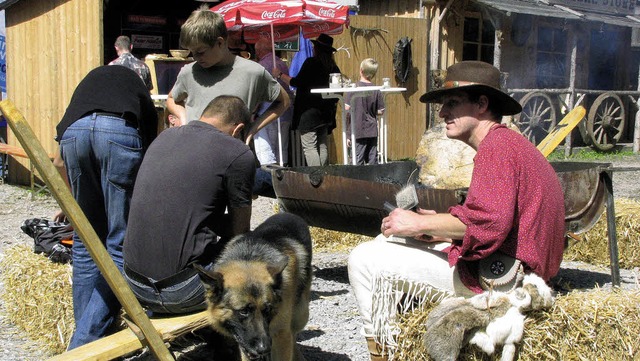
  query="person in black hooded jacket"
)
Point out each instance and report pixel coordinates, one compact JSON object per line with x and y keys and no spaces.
{"x":314,"y":116}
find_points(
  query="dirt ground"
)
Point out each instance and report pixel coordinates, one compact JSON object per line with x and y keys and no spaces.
{"x":332,"y":332}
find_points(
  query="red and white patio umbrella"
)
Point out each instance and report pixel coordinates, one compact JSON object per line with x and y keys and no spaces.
{"x":283,"y":20}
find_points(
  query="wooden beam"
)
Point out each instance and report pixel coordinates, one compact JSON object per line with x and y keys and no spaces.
{"x":63,"y":196}
{"x":560,"y":130}
{"x":127,"y":341}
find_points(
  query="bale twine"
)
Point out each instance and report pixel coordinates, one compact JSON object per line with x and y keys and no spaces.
{"x":594,"y":325}
{"x":37,"y":297}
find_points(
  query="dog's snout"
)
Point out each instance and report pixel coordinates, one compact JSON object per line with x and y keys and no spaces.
{"x":264,"y":346}
{"x":261,"y":348}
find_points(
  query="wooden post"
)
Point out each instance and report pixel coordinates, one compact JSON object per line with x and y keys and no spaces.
{"x":434,"y":59}
{"x":497,"y":52}
{"x":63,"y":196}
{"x":498,"y":35}
{"x":636,"y":128}
{"x":572,"y":85}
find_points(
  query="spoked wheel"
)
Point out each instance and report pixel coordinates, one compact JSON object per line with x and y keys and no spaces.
{"x":605,"y":123}
{"x":538,"y":116}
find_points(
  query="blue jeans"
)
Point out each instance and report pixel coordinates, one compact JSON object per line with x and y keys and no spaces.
{"x":184,"y":296}
{"x":102,"y":155}
{"x":267,"y":143}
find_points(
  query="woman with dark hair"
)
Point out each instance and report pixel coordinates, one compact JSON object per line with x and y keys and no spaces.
{"x":314,"y":116}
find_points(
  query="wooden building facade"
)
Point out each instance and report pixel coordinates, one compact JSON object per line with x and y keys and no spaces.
{"x":569,"y":50}
{"x":50,"y":46}
{"x":376,"y":37}
{"x":554,"y":55}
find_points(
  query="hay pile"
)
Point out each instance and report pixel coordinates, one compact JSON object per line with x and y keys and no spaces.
{"x":594,"y":247}
{"x":37,"y":297}
{"x":594,"y":325}
{"x":334,"y":241}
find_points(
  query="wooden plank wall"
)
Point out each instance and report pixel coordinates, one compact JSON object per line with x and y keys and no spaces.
{"x":375,"y":37}
{"x":51,"y":46}
{"x":398,"y":8}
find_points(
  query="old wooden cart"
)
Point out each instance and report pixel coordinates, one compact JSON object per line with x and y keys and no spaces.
{"x":351,"y":198}
{"x":603,"y":128}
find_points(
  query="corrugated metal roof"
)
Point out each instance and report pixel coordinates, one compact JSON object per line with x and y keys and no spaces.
{"x":531,"y":7}
{"x":540,"y":8}
{"x":6,"y":3}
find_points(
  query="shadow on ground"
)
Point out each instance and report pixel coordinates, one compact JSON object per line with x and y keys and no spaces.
{"x":569,"y":279}
{"x":316,"y":354}
{"x":201,"y":351}
{"x":336,"y":274}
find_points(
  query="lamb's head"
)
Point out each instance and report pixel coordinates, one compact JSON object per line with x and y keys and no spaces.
{"x":520,"y":299}
{"x":540,"y":293}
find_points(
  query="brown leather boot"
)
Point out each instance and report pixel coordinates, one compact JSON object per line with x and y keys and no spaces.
{"x":375,"y":350}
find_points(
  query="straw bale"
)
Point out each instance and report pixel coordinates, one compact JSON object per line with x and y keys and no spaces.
{"x":594,"y":325}
{"x":37,"y":297}
{"x":594,"y":247}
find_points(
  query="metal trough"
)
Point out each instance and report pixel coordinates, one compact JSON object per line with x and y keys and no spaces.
{"x":350,"y":198}
{"x":584,"y":193}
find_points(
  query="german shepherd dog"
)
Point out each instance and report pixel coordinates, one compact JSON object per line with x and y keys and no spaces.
{"x":258,"y":289}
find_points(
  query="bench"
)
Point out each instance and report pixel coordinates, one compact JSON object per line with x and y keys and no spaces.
{"x":11,"y":150}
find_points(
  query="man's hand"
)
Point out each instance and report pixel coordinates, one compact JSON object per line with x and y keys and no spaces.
{"x":404,"y":223}
{"x":60,"y":217}
{"x":423,"y":225}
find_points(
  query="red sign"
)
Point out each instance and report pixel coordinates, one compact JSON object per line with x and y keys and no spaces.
{"x":144,"y":19}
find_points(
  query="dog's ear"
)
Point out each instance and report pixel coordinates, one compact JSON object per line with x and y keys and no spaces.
{"x":213,"y":282}
{"x":275,"y":268}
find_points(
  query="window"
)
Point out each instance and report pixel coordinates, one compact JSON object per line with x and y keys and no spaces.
{"x":551,"y":58}
{"x":478,"y":40}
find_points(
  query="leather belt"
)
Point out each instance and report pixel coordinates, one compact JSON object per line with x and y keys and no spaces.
{"x":128,"y":117}
{"x":173,"y":280}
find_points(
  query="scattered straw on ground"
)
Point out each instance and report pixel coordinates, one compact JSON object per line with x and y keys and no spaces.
{"x":334,"y":241}
{"x":582,"y":325}
{"x":37,"y":297}
{"x":594,"y":247}
{"x":594,"y":325}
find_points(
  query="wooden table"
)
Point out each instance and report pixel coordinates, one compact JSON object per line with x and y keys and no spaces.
{"x":338,"y":93}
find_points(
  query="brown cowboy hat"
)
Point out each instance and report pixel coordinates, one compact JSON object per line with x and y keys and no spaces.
{"x":324,"y":41}
{"x":467,"y":75}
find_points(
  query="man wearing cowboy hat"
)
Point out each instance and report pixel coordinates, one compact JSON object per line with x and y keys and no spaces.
{"x":514,"y":205}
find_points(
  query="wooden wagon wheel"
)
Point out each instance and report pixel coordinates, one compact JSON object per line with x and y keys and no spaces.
{"x":538,"y":116}
{"x":605,"y":122}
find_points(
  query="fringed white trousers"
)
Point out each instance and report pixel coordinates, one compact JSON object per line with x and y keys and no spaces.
{"x":387,"y":277}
